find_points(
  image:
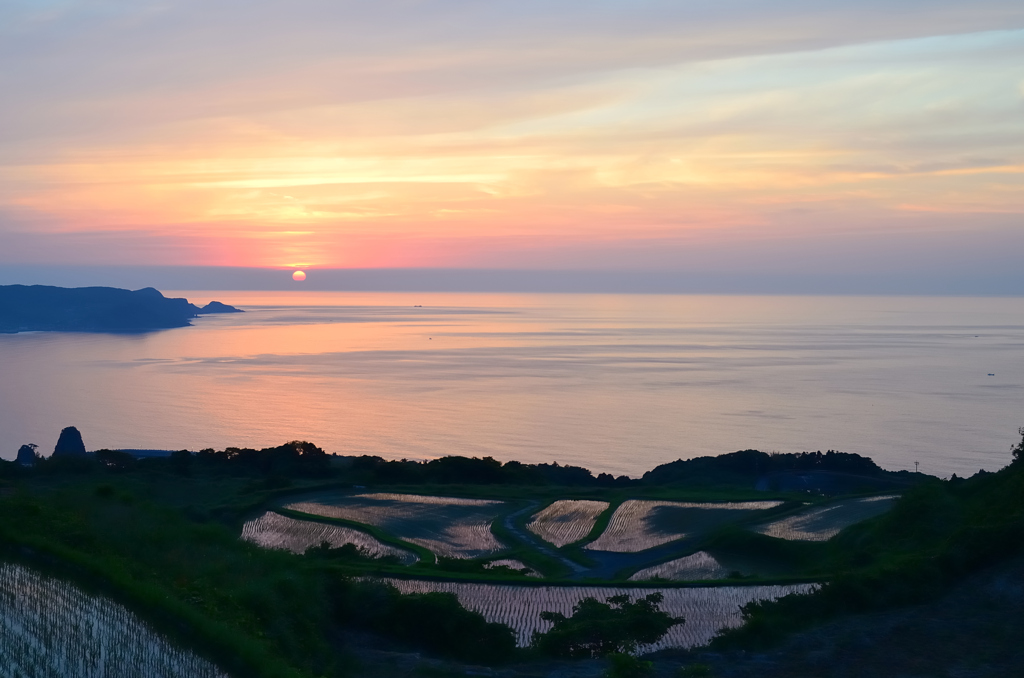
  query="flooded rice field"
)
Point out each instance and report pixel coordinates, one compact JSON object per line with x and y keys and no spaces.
{"x":52,"y":629}
{"x":274,"y":531}
{"x":448,"y":526}
{"x":694,"y":567}
{"x":566,"y":520}
{"x":638,"y":524}
{"x":706,"y":609}
{"x":821,"y":523}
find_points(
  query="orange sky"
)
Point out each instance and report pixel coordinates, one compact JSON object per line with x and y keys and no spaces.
{"x":517,"y":135}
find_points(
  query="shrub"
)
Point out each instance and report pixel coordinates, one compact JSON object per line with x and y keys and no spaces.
{"x":622,"y":665}
{"x":598,"y":629}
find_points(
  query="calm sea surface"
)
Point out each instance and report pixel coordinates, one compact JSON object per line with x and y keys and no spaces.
{"x":613,"y":383}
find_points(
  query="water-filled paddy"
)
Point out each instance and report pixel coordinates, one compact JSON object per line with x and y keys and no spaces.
{"x":272,"y":530}
{"x":52,"y":629}
{"x":706,"y":609}
{"x":694,"y":567}
{"x":566,"y":520}
{"x":448,"y":526}
{"x":821,"y":523}
{"x":638,"y":524}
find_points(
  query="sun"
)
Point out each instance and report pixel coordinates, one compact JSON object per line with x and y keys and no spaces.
{"x":299,"y":276}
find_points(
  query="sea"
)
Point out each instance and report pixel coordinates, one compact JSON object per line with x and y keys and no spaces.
{"x":614,"y":383}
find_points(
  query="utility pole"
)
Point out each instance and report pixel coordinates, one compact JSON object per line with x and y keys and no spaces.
{"x":916,"y":464}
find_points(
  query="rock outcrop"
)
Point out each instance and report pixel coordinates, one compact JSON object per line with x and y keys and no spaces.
{"x":217,"y":307}
{"x":69,"y":444}
{"x":26,"y":455}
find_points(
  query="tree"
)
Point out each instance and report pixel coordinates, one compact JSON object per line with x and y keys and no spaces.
{"x":1018,"y":449}
{"x":181,"y":462}
{"x":437,"y":622}
{"x":598,"y":629}
{"x":27,"y":454}
{"x":115,"y":460}
{"x":621,"y":665}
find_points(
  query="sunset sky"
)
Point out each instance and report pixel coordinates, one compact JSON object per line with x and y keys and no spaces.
{"x":668,"y":136}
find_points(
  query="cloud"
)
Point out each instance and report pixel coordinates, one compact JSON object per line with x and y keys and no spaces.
{"x":437,"y":133}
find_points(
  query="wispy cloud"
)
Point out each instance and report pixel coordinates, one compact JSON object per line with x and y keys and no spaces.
{"x":510,"y":134}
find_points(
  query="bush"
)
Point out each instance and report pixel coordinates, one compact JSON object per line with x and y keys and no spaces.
{"x":598,"y":629}
{"x":621,"y":665}
{"x":433,"y":622}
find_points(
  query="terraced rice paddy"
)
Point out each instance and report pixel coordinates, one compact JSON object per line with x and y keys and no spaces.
{"x":566,"y":520}
{"x":706,"y":609}
{"x":448,"y":526}
{"x":695,"y":567}
{"x":821,"y":523}
{"x":51,"y":629}
{"x":274,"y":531}
{"x":642,"y":524}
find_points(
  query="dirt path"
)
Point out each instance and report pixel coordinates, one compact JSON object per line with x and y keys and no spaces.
{"x":536,"y":542}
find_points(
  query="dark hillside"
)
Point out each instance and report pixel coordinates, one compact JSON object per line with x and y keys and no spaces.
{"x":936,"y":536}
{"x":94,"y":309}
{"x":971,"y":631}
{"x":829,"y":473}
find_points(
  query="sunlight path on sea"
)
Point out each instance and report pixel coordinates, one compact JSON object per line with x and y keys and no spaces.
{"x":616,"y":383}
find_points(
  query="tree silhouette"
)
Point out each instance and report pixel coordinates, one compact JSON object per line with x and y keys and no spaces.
{"x":598,"y":629}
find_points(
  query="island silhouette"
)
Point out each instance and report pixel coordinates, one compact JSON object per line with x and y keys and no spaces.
{"x":34,"y":308}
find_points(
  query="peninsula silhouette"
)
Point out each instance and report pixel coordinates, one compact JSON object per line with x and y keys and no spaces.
{"x":37,"y":308}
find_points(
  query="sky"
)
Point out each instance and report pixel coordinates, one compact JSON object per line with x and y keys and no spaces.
{"x":727,"y":138}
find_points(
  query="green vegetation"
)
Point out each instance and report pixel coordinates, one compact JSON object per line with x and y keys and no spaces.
{"x":936,"y":535}
{"x":254,"y":612}
{"x":161,"y":535}
{"x":597,"y":629}
{"x":622,"y":665}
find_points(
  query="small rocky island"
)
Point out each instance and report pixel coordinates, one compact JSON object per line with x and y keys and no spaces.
{"x":33,"y":308}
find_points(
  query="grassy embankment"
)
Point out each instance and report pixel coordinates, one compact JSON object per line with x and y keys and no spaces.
{"x":935,"y":536}
{"x":166,"y":543}
{"x":144,"y":539}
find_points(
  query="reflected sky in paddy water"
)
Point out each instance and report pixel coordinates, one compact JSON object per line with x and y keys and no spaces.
{"x":616,"y":383}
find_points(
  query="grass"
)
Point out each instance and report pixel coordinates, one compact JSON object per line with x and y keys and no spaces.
{"x":195,"y":583}
{"x":167,"y":546}
{"x":937,"y":534}
{"x":519,"y":549}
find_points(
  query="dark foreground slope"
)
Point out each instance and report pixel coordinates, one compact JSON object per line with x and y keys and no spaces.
{"x":972,"y":631}
{"x":930,"y":588}
{"x":94,"y":309}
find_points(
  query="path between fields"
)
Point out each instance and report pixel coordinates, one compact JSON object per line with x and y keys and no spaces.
{"x":608,"y":562}
{"x":536,"y":542}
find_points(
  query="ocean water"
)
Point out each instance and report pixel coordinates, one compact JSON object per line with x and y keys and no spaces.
{"x":616,"y":383}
